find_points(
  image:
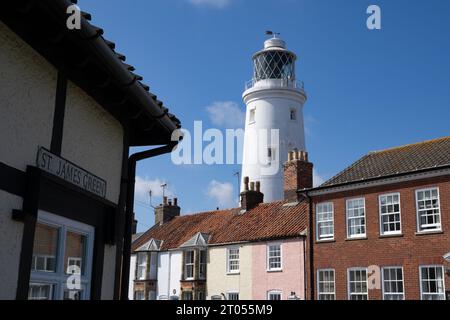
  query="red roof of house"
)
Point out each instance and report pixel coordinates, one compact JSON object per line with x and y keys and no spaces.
{"x":267,"y":221}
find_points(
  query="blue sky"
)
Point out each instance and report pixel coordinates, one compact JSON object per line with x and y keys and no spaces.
{"x":367,"y":90}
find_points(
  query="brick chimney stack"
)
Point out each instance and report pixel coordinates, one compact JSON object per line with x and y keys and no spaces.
{"x":252,"y":196}
{"x":166,"y":211}
{"x":298,"y":174}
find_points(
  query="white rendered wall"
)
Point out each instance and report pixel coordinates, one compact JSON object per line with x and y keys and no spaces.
{"x":272,"y":111}
{"x":132,"y":277}
{"x":169,"y":273}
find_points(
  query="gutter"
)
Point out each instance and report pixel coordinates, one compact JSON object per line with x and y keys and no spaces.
{"x":126,"y":255}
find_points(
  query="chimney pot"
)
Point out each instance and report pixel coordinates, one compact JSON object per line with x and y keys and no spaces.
{"x":164,"y":200}
{"x":175,"y":201}
{"x":170,"y":203}
{"x":258,"y":186}
{"x":252,"y":186}
{"x":246,"y":180}
{"x":290,"y":156}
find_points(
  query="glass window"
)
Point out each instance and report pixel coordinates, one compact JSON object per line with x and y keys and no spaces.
{"x":233,"y":296}
{"x":187,"y":295}
{"x":356,"y":218}
{"x":428,"y":210}
{"x":325,"y":284}
{"x":432,"y":286}
{"x":45,"y":248}
{"x":233,"y":260}
{"x":40,"y":291}
{"x":274,"y":64}
{"x":189,"y":265}
{"x":357,"y":284}
{"x":272,"y":154}
{"x":74,"y":253}
{"x":139,"y":295}
{"x":152,"y":295}
{"x":62,"y":259}
{"x":274,"y":295}
{"x":252,"y":115}
{"x":141,"y":273}
{"x":293,"y":114}
{"x":325,"y":221}
{"x":274,"y":259}
{"x":202,"y":266}
{"x":393,"y":283}
{"x":390,"y":214}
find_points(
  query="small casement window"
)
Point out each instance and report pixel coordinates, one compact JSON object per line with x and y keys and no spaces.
{"x":233,"y":295}
{"x":432,"y":286}
{"x":271,"y":154}
{"x":428,"y":210}
{"x":393,"y":288}
{"x":233,"y":260}
{"x":293,"y":114}
{"x":390,"y":220}
{"x":252,"y":116}
{"x":62,"y":249}
{"x":139,"y":295}
{"x":187,"y":295}
{"x":326,"y":284}
{"x":274,"y":295}
{"x":325,"y":221}
{"x":356,"y":218}
{"x":202,"y":264}
{"x":189,"y":264}
{"x":152,"y":295}
{"x":357,"y":284}
{"x":141,"y":273}
{"x":274,"y":259}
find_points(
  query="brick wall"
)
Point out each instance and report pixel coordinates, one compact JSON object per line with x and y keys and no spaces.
{"x":408,"y":250}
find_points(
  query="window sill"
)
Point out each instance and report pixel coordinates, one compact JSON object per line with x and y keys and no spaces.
{"x":357,"y":238}
{"x":393,"y":235}
{"x":275,"y":271}
{"x":233,"y":273}
{"x":326,"y":241}
{"x":424,"y":233}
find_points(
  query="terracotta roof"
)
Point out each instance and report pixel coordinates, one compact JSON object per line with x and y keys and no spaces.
{"x":268,"y":221}
{"x":408,"y":158}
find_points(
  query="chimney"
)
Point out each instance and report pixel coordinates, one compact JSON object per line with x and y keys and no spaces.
{"x":298,"y":174}
{"x":252,"y":196}
{"x":166,"y":211}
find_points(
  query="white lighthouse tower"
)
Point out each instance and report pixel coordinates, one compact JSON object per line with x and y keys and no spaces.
{"x":274,"y":117}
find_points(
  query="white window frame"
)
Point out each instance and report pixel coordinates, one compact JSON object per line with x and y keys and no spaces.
{"x":229,"y":293}
{"x":349,"y":293}
{"x":41,"y":297}
{"x":229,"y":260}
{"x":252,"y":116}
{"x":191,"y":264}
{"x":274,"y":292}
{"x":443,"y":294}
{"x":143,"y":266}
{"x":140,"y":292}
{"x":356,"y":236}
{"x":419,"y":226}
{"x":59,"y":278}
{"x":383,"y":280}
{"x":396,"y":232}
{"x":318,"y":284}
{"x":318,"y":222}
{"x":269,"y":269}
{"x":46,"y":258}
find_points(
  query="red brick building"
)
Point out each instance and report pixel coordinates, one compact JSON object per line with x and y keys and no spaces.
{"x":380,"y":228}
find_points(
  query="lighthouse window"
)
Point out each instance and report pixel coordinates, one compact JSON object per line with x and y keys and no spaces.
{"x":252,"y":115}
{"x":271,"y":154}
{"x":293,"y":115}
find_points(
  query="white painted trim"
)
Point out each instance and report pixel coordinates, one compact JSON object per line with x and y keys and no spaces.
{"x":417,"y":211}
{"x":281,"y":256}
{"x":389,"y":233}
{"x":317,"y":282}
{"x":359,"y":236}
{"x":317,"y":222}
{"x":231,"y":272}
{"x":275,"y":291}
{"x":348,"y":280}
{"x":382,"y":280}
{"x":432,"y":266}
{"x":381,"y":182}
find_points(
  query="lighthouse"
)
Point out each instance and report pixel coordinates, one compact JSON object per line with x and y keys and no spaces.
{"x":274,"y":117}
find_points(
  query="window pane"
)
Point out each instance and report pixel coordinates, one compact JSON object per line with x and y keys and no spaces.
{"x":40,"y":291}
{"x":75,"y":253}
{"x":45,"y":248}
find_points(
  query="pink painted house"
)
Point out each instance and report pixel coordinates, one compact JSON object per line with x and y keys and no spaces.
{"x":279,"y":270}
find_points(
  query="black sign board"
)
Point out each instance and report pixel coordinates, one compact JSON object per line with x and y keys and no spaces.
{"x":70,"y":172}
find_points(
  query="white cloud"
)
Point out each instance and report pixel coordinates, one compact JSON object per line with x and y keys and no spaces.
{"x":226,"y":114}
{"x":144,"y":185}
{"x":219,"y":4}
{"x":222,"y":193}
{"x":317,"y":178}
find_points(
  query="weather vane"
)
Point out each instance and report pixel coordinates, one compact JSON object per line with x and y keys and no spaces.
{"x":272,"y":33}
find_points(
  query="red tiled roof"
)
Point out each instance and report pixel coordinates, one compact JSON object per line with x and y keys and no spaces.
{"x":267,"y":221}
{"x":408,"y":158}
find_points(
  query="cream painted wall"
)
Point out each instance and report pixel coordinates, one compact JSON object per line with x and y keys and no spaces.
{"x":93,"y":139}
{"x":11,"y":243}
{"x":218,"y":281}
{"x":109,"y":272}
{"x":27,"y":91}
